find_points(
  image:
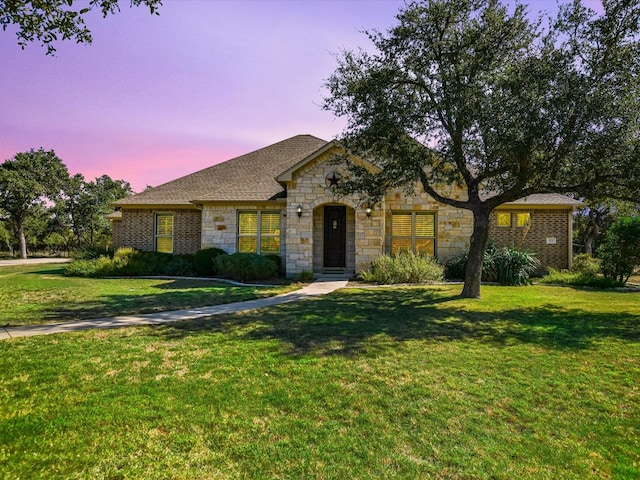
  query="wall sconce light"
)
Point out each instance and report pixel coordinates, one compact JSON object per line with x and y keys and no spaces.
{"x":368,"y":211}
{"x":299,"y":211}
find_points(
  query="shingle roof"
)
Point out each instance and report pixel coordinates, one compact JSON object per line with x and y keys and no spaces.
{"x":540,"y":199}
{"x":249,"y":177}
{"x":252,"y":177}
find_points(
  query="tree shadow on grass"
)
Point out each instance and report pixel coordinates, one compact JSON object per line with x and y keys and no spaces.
{"x":352,"y":323}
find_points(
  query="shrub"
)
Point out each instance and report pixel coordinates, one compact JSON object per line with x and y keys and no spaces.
{"x":125,"y":262}
{"x":506,"y":265}
{"x":586,"y":264}
{"x":244,"y":267}
{"x":181,"y":265}
{"x":304,"y":277}
{"x":205,"y":261}
{"x":620,"y":249}
{"x":404,"y":267}
{"x":578,"y":279}
{"x":511,"y":266}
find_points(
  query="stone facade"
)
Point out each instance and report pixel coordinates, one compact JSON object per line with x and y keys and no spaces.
{"x":547,"y":234}
{"x":137,"y":229}
{"x":220,"y":224}
{"x":302,"y":236}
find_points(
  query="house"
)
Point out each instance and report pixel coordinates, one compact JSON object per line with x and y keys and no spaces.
{"x":277,"y":200}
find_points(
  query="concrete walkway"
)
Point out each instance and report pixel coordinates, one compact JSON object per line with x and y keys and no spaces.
{"x":317,"y":288}
{"x":33,"y":261}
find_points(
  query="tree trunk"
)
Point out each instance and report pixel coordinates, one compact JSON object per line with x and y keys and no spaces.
{"x":588,"y":242}
{"x":479,"y":238}
{"x":23,"y":240}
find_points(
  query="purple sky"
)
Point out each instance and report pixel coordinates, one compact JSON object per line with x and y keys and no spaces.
{"x":157,"y":97}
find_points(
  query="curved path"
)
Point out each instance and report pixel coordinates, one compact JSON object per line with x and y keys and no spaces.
{"x":317,"y":288}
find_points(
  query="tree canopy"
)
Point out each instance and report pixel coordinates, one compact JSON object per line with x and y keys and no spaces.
{"x":26,"y":181}
{"x":52,"y":20}
{"x":470,"y":93}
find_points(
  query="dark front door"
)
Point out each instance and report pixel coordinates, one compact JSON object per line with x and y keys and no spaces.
{"x":335,"y":236}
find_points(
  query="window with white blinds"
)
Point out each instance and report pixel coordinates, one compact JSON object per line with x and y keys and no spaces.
{"x":259,"y":232}
{"x":413,"y":231}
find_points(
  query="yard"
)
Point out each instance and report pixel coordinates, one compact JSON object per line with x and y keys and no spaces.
{"x":414,"y":382}
{"x":33,"y":294}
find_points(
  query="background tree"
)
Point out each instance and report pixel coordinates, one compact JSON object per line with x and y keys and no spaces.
{"x":620,"y":250}
{"x":591,"y":221}
{"x":50,"y":20}
{"x":27,"y":181}
{"x":84,"y":207}
{"x":464,"y":92}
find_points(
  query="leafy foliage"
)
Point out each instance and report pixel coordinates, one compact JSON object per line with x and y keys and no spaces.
{"x":129,"y":262}
{"x":49,"y":21}
{"x":204,"y":261}
{"x":405,"y":266}
{"x":578,"y":279}
{"x":244,"y":267}
{"x":620,"y":250}
{"x":506,"y":265}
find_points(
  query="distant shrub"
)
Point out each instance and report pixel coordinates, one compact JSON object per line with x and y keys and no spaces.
{"x":404,"y":267}
{"x":276,"y":260}
{"x":505,"y":265}
{"x":578,"y":279}
{"x":205,"y":261}
{"x":585,"y":263}
{"x":244,"y":267}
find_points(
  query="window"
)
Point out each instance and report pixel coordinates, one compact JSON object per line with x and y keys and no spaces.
{"x":259,"y":232}
{"x":504,"y":219}
{"x":524,"y":219}
{"x":413,"y":231}
{"x":164,"y":232}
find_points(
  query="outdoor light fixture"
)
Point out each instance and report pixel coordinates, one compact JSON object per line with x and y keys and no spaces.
{"x":368,"y":211}
{"x":299,"y":211}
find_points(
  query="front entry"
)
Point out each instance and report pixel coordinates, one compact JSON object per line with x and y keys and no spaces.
{"x":335,"y":237}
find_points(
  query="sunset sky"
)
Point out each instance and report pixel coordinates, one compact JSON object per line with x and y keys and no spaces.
{"x":157,"y":97}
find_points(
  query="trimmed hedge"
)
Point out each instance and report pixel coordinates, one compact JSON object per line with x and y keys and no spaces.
{"x":205,"y":261}
{"x":243,"y":267}
{"x":132,"y":263}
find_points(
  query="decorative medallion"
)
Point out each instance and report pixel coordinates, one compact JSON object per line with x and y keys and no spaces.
{"x":332,"y":179}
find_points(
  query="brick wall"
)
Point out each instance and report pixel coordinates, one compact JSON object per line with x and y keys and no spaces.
{"x":547,"y":235}
{"x":137,"y":229}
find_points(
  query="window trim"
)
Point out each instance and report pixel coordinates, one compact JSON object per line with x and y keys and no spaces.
{"x":259,"y":235}
{"x":156,"y":235}
{"x":413,"y":237}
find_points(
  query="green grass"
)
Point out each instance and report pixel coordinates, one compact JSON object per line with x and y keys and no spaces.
{"x":37,"y":294}
{"x":528,"y":383}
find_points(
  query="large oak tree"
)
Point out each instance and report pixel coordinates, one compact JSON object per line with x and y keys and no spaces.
{"x":475,"y":93}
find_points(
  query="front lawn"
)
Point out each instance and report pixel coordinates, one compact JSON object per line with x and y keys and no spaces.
{"x":34,"y":294}
{"x":528,"y":383}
